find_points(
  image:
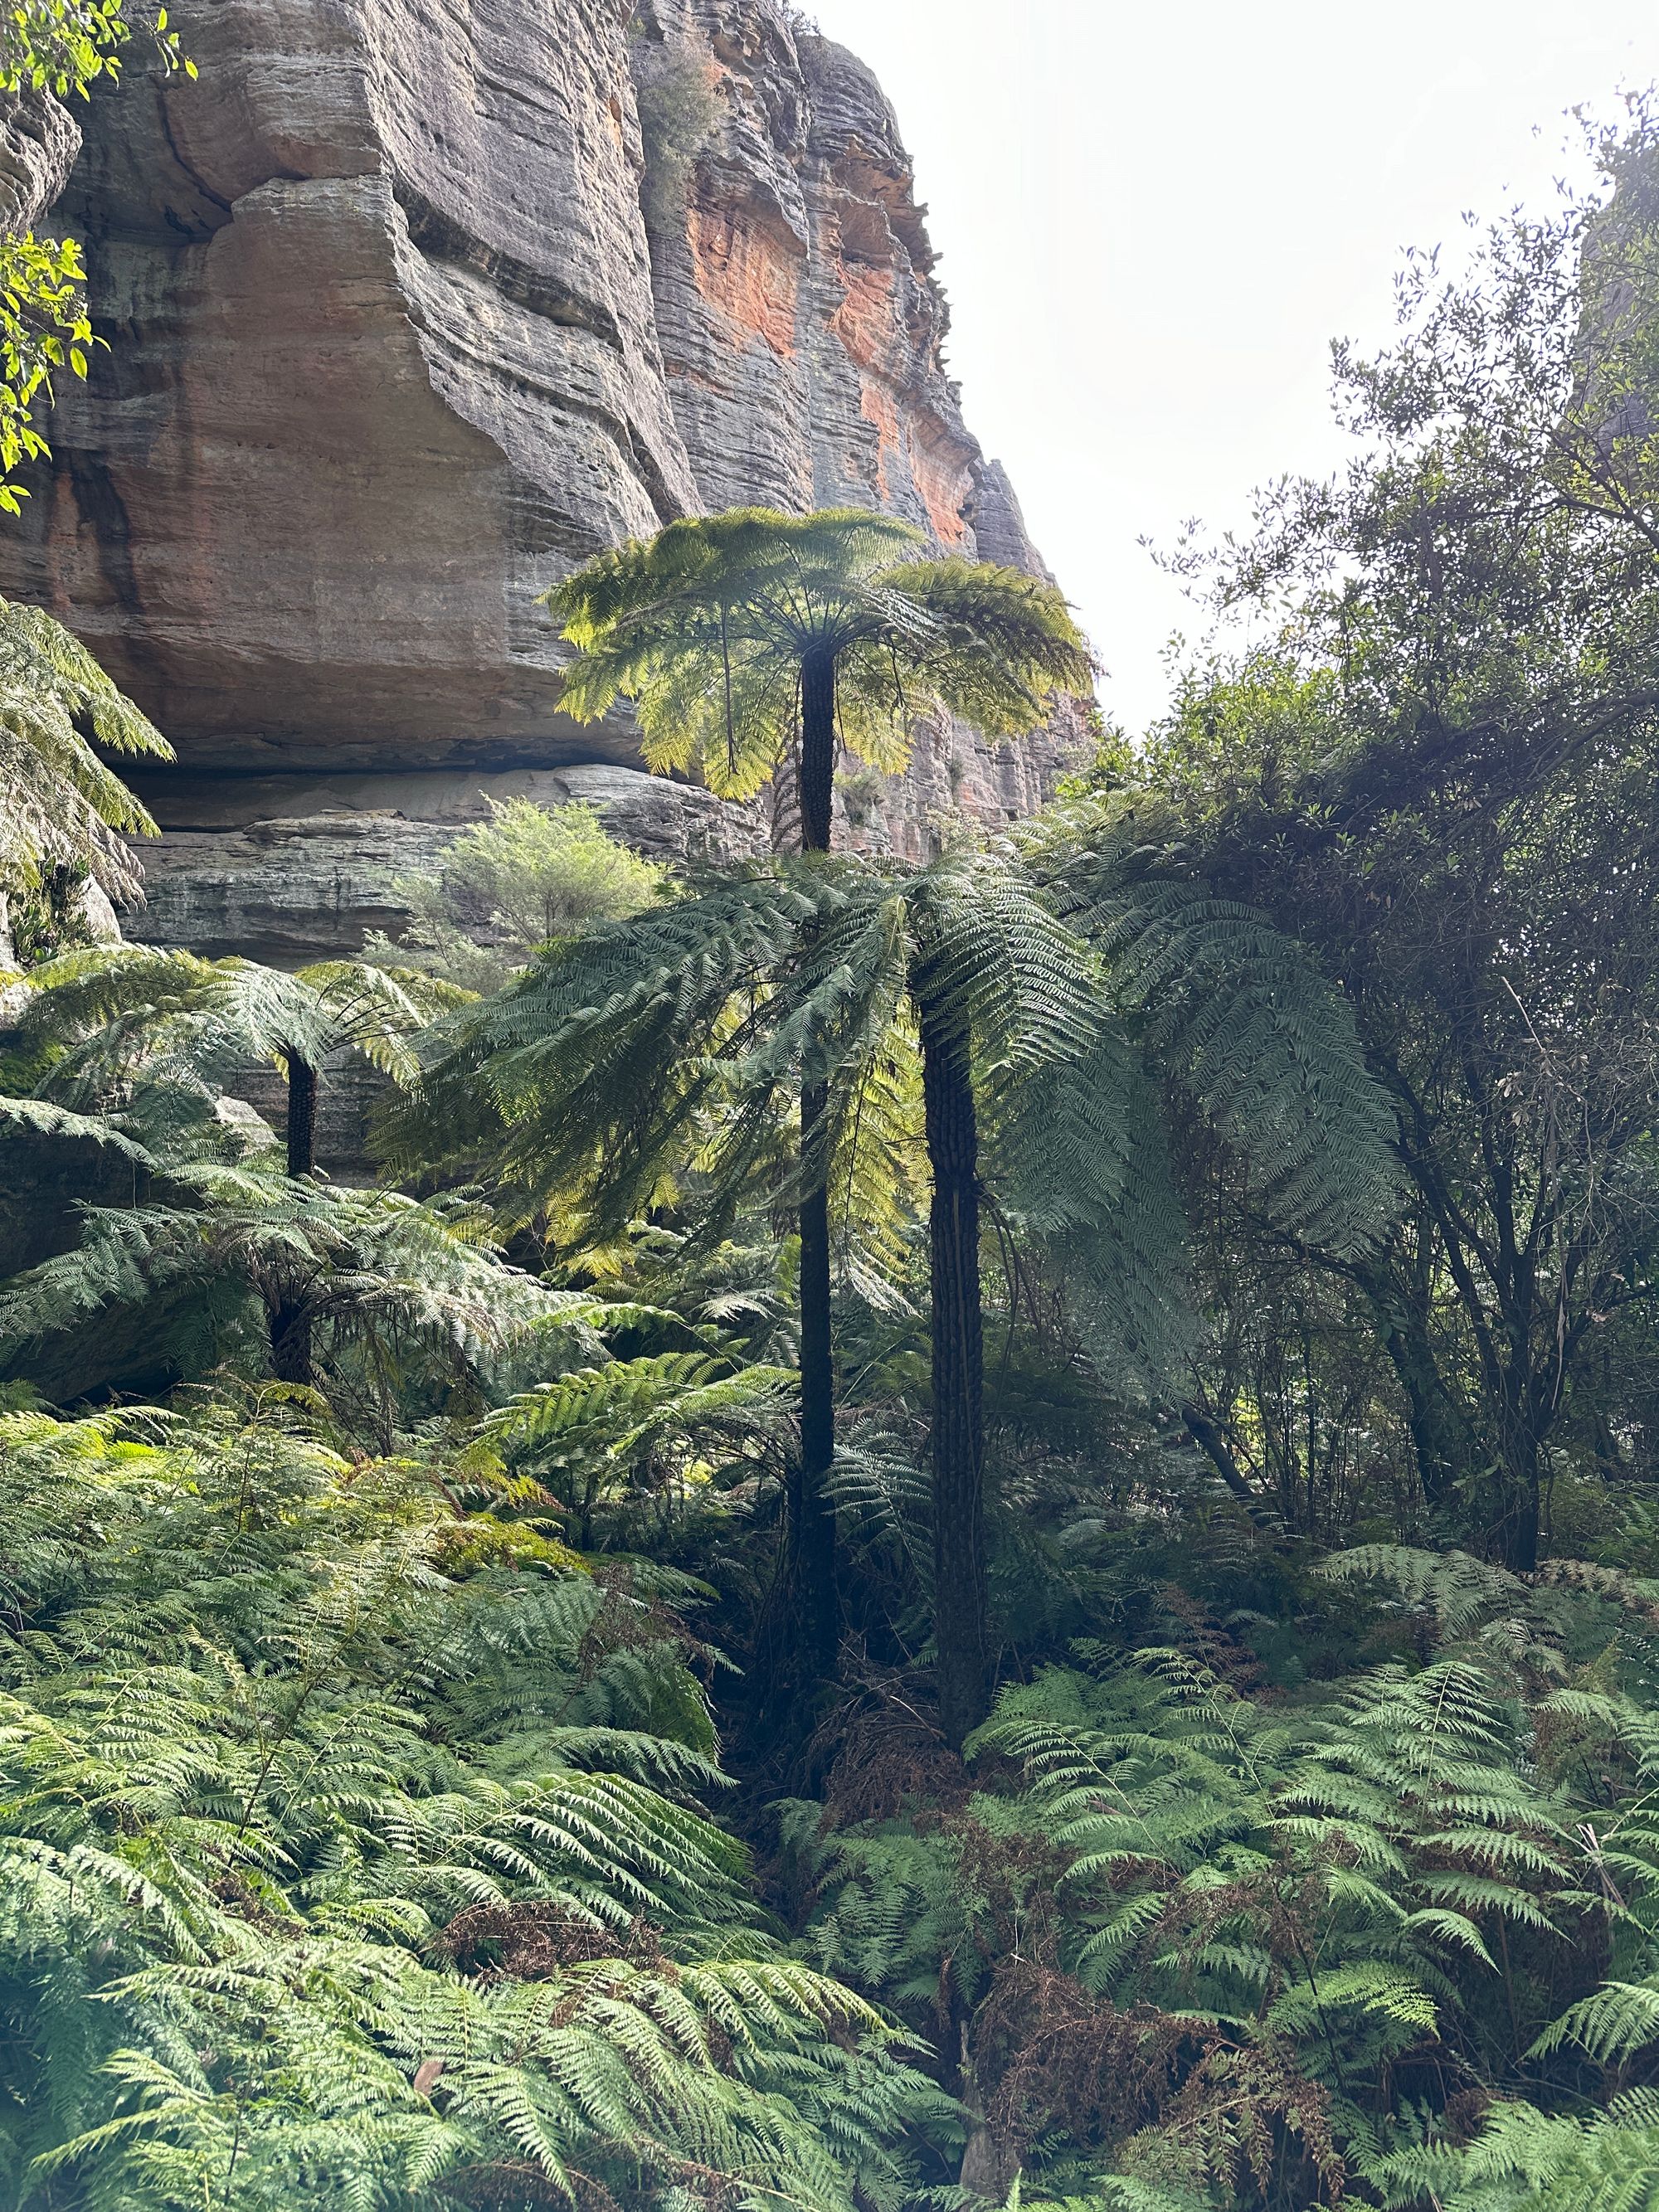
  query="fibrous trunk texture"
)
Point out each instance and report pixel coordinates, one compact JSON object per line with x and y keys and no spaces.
{"x":301,"y":1114}
{"x":961,"y":1601}
{"x":818,"y":750}
{"x":811,"y":1578}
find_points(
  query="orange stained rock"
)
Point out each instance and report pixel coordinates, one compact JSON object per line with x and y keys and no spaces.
{"x":942,"y":481}
{"x":866,"y":321}
{"x":937,"y":472}
{"x":747,"y":274}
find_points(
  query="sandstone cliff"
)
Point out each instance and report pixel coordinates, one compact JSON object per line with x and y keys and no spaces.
{"x":393,"y":344}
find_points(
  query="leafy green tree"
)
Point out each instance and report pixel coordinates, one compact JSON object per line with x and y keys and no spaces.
{"x":509,"y":884}
{"x":1441,"y":776}
{"x":61,"y":45}
{"x":748,"y":637}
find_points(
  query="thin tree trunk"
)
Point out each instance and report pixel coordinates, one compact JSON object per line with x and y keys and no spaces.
{"x":301,"y":1114}
{"x":810,"y":1581}
{"x":961,"y":1601}
{"x":1211,"y":1439}
{"x":1442,"y":1445}
{"x":1514,"y":1534}
{"x":290,"y":1324}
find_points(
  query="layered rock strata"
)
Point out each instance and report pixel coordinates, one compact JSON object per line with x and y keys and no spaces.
{"x":393,"y":345}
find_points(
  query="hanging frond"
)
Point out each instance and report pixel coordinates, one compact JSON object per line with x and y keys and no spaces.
{"x":1238,"y":1019}
{"x":60,"y":806}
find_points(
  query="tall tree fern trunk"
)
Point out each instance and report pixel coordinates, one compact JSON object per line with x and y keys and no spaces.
{"x":301,"y":1114}
{"x":817,"y":750}
{"x":290,"y":1321}
{"x":811,"y":1582}
{"x":961,"y":1602}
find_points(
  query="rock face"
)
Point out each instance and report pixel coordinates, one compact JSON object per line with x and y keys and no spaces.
{"x":290,"y":869}
{"x":394,"y":345}
{"x":39,"y":142}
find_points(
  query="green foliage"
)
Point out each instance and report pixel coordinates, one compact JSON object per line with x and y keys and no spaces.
{"x":60,"y":806}
{"x":333,"y":1870}
{"x":506,"y":886}
{"x":706,"y":627}
{"x":1432,"y":766}
{"x":124,"y":1017}
{"x":52,"y":47}
{"x":1526,"y":2160}
{"x":356,"y":1743}
{"x":642,"y":1432}
{"x":44,"y":327}
{"x":1238,"y":1017}
{"x":1235,"y":1945}
{"x":678,"y":109}
{"x":61,"y":45}
{"x":675,"y":1039}
{"x":393,"y":1297}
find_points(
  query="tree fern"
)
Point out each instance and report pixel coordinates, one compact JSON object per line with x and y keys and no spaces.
{"x":60,"y":806}
{"x":715,"y":627}
{"x":162,"y":1034}
{"x":381,"y":1288}
{"x":1238,"y":1016}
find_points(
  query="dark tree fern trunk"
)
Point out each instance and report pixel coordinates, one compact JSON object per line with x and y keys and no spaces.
{"x":817,"y":750}
{"x":960,"y":1600}
{"x":290,"y":1342}
{"x":301,"y":1114}
{"x":810,"y":1582}
{"x":813,"y":1581}
{"x":290,"y":1320}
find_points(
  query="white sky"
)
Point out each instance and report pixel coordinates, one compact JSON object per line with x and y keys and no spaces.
{"x":1154,"y":218}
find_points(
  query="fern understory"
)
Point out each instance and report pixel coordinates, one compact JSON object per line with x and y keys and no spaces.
{"x":354,"y":1848}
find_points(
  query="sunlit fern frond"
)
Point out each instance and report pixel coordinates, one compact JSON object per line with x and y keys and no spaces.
{"x":60,"y":806}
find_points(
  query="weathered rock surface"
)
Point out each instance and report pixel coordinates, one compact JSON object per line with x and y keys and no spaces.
{"x":393,"y":348}
{"x":39,"y":142}
{"x":385,"y":363}
{"x":291,"y":869}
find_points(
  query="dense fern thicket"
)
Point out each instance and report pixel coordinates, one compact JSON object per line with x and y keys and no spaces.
{"x":979,"y":1534}
{"x":353,"y":1849}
